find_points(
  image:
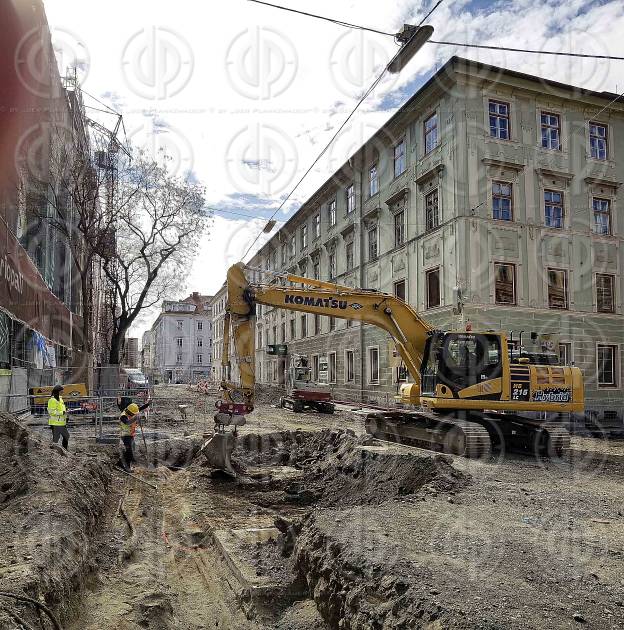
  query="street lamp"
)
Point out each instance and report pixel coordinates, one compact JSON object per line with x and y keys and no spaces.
{"x":412,"y":39}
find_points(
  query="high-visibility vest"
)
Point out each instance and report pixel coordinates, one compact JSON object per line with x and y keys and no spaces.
{"x":127,"y":426}
{"x":57,"y":414}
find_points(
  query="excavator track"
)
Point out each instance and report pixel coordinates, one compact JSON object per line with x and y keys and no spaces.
{"x":556,"y":440}
{"x":431,"y":431}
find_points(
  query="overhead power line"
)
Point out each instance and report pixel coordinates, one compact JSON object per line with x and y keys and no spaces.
{"x":442,"y":43}
{"x":526,"y":50}
{"x":322,"y":17}
{"x":373,"y":85}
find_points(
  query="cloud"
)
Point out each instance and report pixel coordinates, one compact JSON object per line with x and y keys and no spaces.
{"x":315,"y":72}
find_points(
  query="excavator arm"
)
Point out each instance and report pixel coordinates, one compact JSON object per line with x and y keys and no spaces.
{"x":407,"y":329}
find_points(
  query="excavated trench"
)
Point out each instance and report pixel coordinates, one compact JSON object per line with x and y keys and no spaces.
{"x":185,"y":547}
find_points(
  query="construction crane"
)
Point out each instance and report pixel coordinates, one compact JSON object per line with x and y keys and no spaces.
{"x":472,"y":389}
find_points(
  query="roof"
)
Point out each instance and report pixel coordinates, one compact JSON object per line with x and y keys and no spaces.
{"x":454,"y":65}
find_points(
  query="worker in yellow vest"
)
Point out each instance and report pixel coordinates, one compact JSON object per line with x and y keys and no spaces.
{"x":57,"y":416}
{"x":128,"y":421}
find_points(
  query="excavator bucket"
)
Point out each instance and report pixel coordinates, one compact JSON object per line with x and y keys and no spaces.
{"x":218,"y":451}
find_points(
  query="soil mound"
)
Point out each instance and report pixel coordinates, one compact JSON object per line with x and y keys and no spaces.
{"x":49,"y":501}
{"x":341,"y":468}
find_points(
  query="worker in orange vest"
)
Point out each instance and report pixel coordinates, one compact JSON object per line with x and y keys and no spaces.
{"x":128,"y":421}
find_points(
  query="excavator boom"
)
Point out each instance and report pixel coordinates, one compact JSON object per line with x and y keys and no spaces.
{"x":453,"y":372}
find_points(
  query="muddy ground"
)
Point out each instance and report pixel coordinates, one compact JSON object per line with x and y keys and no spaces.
{"x":323,"y":528}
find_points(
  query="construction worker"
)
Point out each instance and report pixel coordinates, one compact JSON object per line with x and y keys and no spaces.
{"x":57,"y":416}
{"x":128,"y":421}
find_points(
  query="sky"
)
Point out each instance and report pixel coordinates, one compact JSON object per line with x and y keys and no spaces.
{"x":245,"y":96}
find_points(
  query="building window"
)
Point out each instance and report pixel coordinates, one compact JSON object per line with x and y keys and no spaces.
{"x":431,"y":133}
{"x":200,"y":325}
{"x":602,"y":216}
{"x":605,"y":298}
{"x":179,"y":324}
{"x":606,"y":365}
{"x":349,"y":366}
{"x":315,"y":367}
{"x":178,"y":358}
{"x":399,"y":229}
{"x":372,"y":243}
{"x":317,"y":324}
{"x":283,"y":332}
{"x":373,"y":181}
{"x":373,"y":365}
{"x":399,"y":289}
{"x":504,"y":283}
{"x":432,"y":284}
{"x":304,"y":236}
{"x":332,"y":324}
{"x":274,"y":334}
{"x":284,"y":255}
{"x":565,"y":353}
{"x":179,"y":342}
{"x":317,"y":225}
{"x":332,"y":367}
{"x":432,"y":215}
{"x":551,"y":131}
{"x":199,"y":358}
{"x":331,"y":212}
{"x":401,"y":374}
{"x":502,"y":205}
{"x":557,"y":288}
{"x":499,"y":120}
{"x":293,"y":246}
{"x":598,"y":143}
{"x":349,"y":256}
{"x":274,"y":259}
{"x":292,"y":328}
{"x":350,"y":199}
{"x":332,"y":265}
{"x":260,"y":339}
{"x":399,"y":158}
{"x":316,"y":267}
{"x":200,"y":342}
{"x":553,"y":208}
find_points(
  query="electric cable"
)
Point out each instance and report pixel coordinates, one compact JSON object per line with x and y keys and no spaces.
{"x":322,"y":17}
{"x":373,"y":85}
{"x":439,"y":42}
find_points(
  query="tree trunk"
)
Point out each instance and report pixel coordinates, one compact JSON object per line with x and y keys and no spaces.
{"x":117,"y":343}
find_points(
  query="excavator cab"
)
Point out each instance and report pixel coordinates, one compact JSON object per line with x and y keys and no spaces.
{"x":454,"y":361}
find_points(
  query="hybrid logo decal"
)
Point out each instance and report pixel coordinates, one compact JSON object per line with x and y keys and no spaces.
{"x":553,"y":394}
{"x":310,"y":301}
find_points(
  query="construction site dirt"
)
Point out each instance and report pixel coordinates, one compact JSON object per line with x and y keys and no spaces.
{"x":324,"y":527}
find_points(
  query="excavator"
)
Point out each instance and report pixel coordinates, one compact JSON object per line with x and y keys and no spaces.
{"x":471,"y":390}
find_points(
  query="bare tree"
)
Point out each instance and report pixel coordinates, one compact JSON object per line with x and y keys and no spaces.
{"x":157,"y":232}
{"x":82,"y":204}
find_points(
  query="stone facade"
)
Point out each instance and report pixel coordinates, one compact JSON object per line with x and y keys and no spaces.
{"x":181,"y":340}
{"x":491,"y":197}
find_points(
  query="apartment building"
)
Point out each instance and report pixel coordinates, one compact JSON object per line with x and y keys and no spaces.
{"x":491,"y":198}
{"x":131,"y":353}
{"x":219,"y":300}
{"x":43,"y":128}
{"x":181,"y":340}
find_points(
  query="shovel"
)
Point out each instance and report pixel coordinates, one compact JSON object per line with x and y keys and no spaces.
{"x":150,"y":465}
{"x":218,"y":451}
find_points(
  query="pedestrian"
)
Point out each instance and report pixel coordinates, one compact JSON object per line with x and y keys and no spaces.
{"x":57,"y":416}
{"x":128,"y":421}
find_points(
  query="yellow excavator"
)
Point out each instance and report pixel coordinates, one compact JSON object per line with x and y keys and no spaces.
{"x":471,"y":391}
